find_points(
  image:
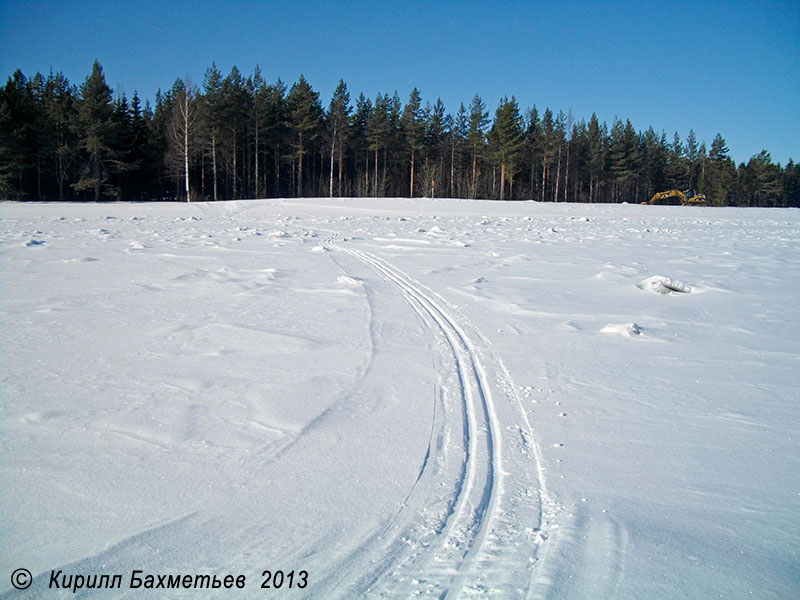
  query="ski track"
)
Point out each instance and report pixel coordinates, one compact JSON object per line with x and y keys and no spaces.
{"x":447,"y":554}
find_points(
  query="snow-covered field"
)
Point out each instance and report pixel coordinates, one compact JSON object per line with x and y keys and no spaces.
{"x":393,"y":398}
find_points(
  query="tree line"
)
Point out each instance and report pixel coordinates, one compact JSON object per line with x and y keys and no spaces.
{"x":235,"y":137}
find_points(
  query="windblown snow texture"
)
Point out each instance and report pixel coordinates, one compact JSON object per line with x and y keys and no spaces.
{"x":403,"y":398}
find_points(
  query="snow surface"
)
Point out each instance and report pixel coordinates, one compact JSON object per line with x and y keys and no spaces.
{"x":403,"y":398}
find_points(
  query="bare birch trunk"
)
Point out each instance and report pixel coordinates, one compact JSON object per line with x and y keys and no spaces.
{"x":186,"y":145}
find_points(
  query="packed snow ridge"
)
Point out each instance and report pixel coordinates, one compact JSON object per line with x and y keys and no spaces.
{"x":394,"y":398}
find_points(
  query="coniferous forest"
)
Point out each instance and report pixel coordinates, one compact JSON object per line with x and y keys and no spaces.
{"x":237,"y":137}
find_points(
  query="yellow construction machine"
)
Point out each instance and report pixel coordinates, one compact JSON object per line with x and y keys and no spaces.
{"x":687,"y":198}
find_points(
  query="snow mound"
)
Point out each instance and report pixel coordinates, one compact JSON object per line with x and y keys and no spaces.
{"x":658,"y":284}
{"x":346,"y":281}
{"x":623,"y":329}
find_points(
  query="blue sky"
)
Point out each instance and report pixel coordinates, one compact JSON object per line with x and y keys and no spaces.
{"x":728,"y":67}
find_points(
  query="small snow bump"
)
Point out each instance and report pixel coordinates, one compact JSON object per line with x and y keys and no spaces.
{"x":624,"y":329}
{"x":347,"y":281}
{"x":658,"y":284}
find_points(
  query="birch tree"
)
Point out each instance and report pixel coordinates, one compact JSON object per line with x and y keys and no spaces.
{"x":181,"y":130}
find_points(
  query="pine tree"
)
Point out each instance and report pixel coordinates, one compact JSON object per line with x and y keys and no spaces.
{"x":692,"y":159}
{"x":762,"y":181}
{"x":234,"y":111}
{"x":276,"y":128}
{"x":476,"y":136}
{"x":337,"y":121}
{"x":122,"y":139}
{"x":505,"y":140}
{"x":257,"y":88}
{"x":676,"y":164}
{"x":458,"y":140}
{"x":305,"y":117}
{"x":534,"y":149}
{"x":437,"y":127}
{"x":359,"y":126}
{"x":623,"y":157}
{"x":377,"y":134}
{"x":413,"y":128}
{"x":596,"y":147}
{"x":721,"y":172}
{"x":210,"y":114}
{"x":791,"y":184}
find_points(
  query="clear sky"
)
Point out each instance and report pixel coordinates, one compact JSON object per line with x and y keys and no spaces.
{"x":731,"y":67}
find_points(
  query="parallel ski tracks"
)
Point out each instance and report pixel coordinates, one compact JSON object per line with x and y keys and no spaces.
{"x":451,"y":560}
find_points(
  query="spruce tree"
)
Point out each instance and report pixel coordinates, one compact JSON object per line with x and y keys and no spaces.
{"x":60,"y":103}
{"x":97,"y":129}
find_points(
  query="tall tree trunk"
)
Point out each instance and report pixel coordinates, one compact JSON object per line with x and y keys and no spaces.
{"x":558,"y":176}
{"x":186,"y":145}
{"x":333,"y":148}
{"x":300,"y":168}
{"x":234,"y":164}
{"x":96,"y":177}
{"x":60,"y":179}
{"x":341,"y":160}
{"x":502,"y":178}
{"x":474,"y":168}
{"x":544,"y":176}
{"x":277,"y":170}
{"x":214,"y":160}
{"x":375,"y":183}
{"x":452,"y":166}
{"x":566,"y":176}
{"x":412,"y":172}
{"x":256,"y":163}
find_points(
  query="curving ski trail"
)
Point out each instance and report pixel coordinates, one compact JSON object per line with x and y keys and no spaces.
{"x":455,"y":553}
